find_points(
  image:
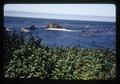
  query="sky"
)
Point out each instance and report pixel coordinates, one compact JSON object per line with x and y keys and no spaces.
{"x":57,"y":11}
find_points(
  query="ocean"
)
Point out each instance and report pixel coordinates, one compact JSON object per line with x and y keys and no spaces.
{"x":74,"y":33}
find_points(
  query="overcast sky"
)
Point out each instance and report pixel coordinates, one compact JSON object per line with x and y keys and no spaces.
{"x":107,"y":10}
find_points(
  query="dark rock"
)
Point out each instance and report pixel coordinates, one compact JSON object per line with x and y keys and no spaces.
{"x":93,"y":42}
{"x":54,"y":25}
{"x":32,"y":27}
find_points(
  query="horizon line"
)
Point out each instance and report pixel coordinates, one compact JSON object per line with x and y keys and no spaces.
{"x":58,"y":14}
{"x":60,"y":19}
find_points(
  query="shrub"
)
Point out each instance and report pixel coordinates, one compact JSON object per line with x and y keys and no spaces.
{"x":86,"y":65}
{"x":29,"y":59}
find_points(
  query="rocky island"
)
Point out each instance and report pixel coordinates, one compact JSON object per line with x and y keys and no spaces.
{"x":53,"y":25}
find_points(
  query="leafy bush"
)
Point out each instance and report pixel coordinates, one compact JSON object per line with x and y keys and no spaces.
{"x":31,"y":59}
{"x":86,"y":65}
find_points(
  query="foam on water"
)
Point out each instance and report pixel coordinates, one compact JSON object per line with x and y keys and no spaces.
{"x":61,"y":29}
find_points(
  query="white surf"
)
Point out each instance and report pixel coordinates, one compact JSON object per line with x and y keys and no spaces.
{"x":61,"y":29}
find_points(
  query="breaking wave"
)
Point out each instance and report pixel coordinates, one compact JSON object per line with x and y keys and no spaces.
{"x":61,"y":29}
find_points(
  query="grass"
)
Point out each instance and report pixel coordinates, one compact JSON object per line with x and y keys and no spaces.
{"x":31,"y":59}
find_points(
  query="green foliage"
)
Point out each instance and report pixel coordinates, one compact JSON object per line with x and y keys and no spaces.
{"x":85,"y":65}
{"x":30,"y":59}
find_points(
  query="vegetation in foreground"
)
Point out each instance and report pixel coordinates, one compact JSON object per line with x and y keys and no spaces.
{"x":31,"y":59}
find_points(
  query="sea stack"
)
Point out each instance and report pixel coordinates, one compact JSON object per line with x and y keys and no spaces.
{"x":53,"y":25}
{"x":32,"y":27}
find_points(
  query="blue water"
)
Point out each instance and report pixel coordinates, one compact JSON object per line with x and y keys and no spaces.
{"x":97,"y":35}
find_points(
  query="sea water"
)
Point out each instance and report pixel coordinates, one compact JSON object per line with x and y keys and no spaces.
{"x":74,"y":33}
